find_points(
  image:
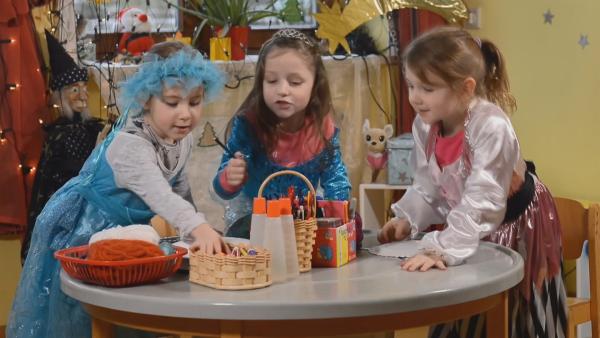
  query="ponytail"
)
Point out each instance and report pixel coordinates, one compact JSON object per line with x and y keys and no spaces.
{"x":495,"y":78}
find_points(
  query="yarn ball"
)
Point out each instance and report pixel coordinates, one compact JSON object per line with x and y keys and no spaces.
{"x":122,"y":249}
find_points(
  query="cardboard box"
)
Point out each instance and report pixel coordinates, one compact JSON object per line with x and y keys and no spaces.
{"x":335,"y":247}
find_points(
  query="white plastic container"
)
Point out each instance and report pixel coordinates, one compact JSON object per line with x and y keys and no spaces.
{"x":273,"y":241}
{"x":257,"y":222}
{"x":289,"y":238}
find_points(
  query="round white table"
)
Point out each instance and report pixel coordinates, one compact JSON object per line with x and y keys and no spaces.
{"x":373,"y":291}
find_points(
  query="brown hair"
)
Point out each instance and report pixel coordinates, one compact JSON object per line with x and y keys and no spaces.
{"x":453,"y":54}
{"x":167,"y":48}
{"x":320,"y":103}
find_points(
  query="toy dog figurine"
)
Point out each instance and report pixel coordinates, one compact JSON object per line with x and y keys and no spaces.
{"x":376,"y":139}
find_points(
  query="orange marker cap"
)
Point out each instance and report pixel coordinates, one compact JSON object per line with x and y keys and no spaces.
{"x":259,"y":206}
{"x":273,"y":208}
{"x":285,"y":205}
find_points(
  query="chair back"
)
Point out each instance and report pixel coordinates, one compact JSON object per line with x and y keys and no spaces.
{"x":594,"y":247}
{"x":573,"y":218}
{"x":579,"y":224}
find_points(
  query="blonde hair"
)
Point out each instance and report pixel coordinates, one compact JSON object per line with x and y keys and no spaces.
{"x":453,"y":55}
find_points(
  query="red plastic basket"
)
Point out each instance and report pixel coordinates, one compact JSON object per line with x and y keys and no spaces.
{"x":118,"y":273}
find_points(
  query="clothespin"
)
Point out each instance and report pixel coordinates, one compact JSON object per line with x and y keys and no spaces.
{"x":352,"y":208}
{"x":320,"y":212}
{"x":309,"y":205}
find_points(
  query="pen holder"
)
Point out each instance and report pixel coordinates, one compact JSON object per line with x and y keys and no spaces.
{"x":227,"y":272}
{"x":305,"y":229}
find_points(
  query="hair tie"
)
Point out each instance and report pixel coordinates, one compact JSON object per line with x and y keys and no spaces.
{"x":477,"y":41}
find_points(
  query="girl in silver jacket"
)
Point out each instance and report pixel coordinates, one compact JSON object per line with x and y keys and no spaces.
{"x":470,"y":176}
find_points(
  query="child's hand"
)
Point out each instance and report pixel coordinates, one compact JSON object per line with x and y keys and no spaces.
{"x":395,"y":230}
{"x":423,"y":262}
{"x":207,"y":240}
{"x":235,"y":172}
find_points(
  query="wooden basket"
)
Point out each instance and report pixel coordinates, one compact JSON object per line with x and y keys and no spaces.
{"x":228,"y":272}
{"x":306,"y":230}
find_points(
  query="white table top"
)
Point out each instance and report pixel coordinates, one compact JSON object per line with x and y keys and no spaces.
{"x":370,"y":285}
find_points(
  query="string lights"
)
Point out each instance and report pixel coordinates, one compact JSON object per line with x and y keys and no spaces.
{"x":2,"y":137}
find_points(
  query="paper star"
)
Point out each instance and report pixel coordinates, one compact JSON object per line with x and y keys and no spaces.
{"x":583,"y":41}
{"x":548,"y":17}
{"x":332,"y":27}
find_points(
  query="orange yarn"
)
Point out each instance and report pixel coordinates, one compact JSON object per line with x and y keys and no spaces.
{"x":122,"y":249}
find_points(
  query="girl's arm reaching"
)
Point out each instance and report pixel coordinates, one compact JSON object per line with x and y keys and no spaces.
{"x":418,"y":205}
{"x":135,"y":167}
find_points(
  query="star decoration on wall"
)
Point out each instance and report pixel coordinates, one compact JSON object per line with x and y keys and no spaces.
{"x":548,"y":17}
{"x":332,"y":27}
{"x":583,"y":40}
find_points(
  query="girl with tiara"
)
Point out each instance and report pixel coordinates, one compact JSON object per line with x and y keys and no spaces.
{"x":137,"y":172}
{"x":284,"y":123}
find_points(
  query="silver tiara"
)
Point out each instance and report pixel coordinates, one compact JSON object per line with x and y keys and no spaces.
{"x":290,"y":33}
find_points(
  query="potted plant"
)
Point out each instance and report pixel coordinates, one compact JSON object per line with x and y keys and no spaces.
{"x":229,"y":18}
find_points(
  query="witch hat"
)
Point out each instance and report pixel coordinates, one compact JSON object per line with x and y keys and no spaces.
{"x":64,"y":69}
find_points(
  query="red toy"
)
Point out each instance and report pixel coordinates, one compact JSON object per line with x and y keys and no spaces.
{"x":136,"y":28}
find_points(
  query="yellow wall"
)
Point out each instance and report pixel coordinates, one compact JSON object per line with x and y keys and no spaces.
{"x":10,"y":249}
{"x":556,"y":84}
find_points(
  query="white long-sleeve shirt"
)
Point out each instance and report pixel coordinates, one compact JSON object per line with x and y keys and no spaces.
{"x":470,"y":195}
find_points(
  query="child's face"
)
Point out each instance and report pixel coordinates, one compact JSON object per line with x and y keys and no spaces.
{"x":434,"y":100}
{"x":287,"y":86}
{"x":175,"y":113}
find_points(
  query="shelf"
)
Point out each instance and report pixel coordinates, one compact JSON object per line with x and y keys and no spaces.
{"x":374,"y":200}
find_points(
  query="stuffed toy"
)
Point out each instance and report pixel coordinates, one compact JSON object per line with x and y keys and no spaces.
{"x":376,"y":139}
{"x":136,"y":28}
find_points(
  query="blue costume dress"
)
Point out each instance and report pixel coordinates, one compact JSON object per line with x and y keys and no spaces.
{"x":326,"y":170}
{"x":86,"y":204}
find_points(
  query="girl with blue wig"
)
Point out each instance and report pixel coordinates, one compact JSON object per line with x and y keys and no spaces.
{"x":137,"y":172}
{"x":284,"y":123}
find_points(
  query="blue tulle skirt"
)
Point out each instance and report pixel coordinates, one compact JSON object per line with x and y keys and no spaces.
{"x":40,"y":308}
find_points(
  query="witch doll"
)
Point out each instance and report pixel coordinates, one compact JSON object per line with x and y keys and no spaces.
{"x":69,"y":140}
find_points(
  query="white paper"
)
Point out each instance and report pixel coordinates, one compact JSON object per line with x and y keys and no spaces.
{"x":401,"y":249}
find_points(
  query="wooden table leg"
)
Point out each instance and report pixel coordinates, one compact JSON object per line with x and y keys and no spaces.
{"x":101,"y":329}
{"x":231,"y":329}
{"x":497,"y":319}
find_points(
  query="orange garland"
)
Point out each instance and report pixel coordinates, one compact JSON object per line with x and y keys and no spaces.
{"x":122,"y":249}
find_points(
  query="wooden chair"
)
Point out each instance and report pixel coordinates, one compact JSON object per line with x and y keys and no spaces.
{"x":579,"y":224}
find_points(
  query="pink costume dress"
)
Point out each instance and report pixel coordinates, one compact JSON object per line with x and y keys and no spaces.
{"x":468,"y":188}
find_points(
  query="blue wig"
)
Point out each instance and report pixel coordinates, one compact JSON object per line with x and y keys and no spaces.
{"x":185,"y":68}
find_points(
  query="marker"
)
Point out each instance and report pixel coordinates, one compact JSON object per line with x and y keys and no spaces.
{"x":216,"y":139}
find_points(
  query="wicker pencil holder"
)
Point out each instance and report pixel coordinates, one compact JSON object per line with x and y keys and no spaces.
{"x":229,"y":272}
{"x":306,"y":230}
